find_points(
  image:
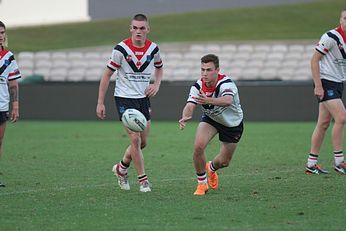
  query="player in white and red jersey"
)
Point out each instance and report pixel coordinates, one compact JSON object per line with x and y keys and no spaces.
{"x":9,"y":73}
{"x":134,"y":60}
{"x":222,"y":114}
{"x":328,"y":66}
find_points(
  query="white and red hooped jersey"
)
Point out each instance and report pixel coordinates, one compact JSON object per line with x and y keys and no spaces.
{"x":230,"y":116}
{"x":8,"y":71}
{"x":134,"y":67}
{"x":333,"y":46}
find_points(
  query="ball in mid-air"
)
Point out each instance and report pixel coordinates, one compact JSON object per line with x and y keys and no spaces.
{"x":134,"y":120}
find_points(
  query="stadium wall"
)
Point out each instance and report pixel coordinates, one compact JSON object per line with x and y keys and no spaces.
{"x":261,"y":101}
{"x":16,"y":13}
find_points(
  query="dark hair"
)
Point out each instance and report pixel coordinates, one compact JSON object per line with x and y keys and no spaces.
{"x":140,"y":17}
{"x":2,"y":24}
{"x":211,"y":58}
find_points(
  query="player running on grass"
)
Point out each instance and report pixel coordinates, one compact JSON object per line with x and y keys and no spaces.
{"x":328,"y":67}
{"x":222,"y":114}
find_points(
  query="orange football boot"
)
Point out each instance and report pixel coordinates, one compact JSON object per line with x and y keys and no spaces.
{"x":213,"y":178}
{"x":201,"y":190}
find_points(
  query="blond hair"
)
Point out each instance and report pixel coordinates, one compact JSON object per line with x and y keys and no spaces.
{"x":6,"y":40}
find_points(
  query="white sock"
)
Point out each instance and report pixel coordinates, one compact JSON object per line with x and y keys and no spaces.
{"x":339,"y":157}
{"x":312,"y":160}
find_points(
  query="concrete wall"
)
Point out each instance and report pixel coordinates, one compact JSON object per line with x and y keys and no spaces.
{"x":271,"y":101}
{"x":38,"y":12}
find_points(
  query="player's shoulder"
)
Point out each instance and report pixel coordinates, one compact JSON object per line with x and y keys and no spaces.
{"x":5,"y":52}
{"x":331,"y":34}
{"x":225,"y":79}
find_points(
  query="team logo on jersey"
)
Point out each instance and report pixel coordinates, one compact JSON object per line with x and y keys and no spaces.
{"x":7,"y":62}
{"x":138,"y":64}
{"x":129,"y":58}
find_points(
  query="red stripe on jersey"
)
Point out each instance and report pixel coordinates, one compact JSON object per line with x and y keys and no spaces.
{"x":13,"y":73}
{"x":138,"y":51}
{"x":158,"y":63}
{"x":342,"y":33}
{"x":3,"y":53}
{"x":115,"y":64}
{"x":228,"y":91}
{"x":209,"y":91}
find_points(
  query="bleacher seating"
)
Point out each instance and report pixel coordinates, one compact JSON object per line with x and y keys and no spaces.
{"x":277,"y":61}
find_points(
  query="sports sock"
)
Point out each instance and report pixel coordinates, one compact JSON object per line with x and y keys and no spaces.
{"x":212,"y":167}
{"x":312,"y":160}
{"x":123,"y":167}
{"x":201,"y":178}
{"x":142,"y":178}
{"x":339,"y":157}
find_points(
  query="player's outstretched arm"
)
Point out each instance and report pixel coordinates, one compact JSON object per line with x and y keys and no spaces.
{"x":187,"y":114}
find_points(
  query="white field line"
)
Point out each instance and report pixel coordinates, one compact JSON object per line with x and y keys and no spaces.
{"x":85,"y":186}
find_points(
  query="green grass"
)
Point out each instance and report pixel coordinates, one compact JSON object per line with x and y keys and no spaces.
{"x":58,"y":178}
{"x":282,"y":22}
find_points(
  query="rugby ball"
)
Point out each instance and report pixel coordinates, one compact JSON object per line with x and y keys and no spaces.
{"x":134,"y":120}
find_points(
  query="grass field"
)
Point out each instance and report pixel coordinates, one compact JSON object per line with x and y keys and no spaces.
{"x":58,"y":177}
{"x":281,"y":22}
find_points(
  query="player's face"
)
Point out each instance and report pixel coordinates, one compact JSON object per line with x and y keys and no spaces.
{"x":2,"y":35}
{"x":343,"y":20}
{"x":139,"y":31}
{"x":209,"y":73}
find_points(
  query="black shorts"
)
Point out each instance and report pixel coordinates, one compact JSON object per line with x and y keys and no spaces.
{"x":332,"y":90}
{"x":142,"y":105}
{"x":3,"y":116}
{"x":226,"y":134}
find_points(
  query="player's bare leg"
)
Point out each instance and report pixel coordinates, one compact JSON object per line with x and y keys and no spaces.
{"x":324,"y":118}
{"x":2,"y":133}
{"x":338,"y":111}
{"x":222,"y":160}
{"x":205,"y":132}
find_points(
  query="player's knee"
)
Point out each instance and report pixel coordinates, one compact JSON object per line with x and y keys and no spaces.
{"x":136,"y":140}
{"x":342,"y":119}
{"x":324,"y":124}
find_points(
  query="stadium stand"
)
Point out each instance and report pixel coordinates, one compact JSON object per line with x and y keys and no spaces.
{"x":253,"y":61}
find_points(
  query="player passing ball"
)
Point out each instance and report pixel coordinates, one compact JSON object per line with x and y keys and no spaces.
{"x":222,"y":114}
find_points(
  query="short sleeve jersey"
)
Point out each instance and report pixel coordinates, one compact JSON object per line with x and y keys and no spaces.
{"x":333,"y":64}
{"x":230,"y":116}
{"x":134,"y":67}
{"x":8,"y":71}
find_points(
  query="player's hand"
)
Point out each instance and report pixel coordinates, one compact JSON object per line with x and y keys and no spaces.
{"x":182,"y":122}
{"x":201,"y":98}
{"x":151,"y":90}
{"x":319,"y":92}
{"x":101,"y":111}
{"x":14,"y":115}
